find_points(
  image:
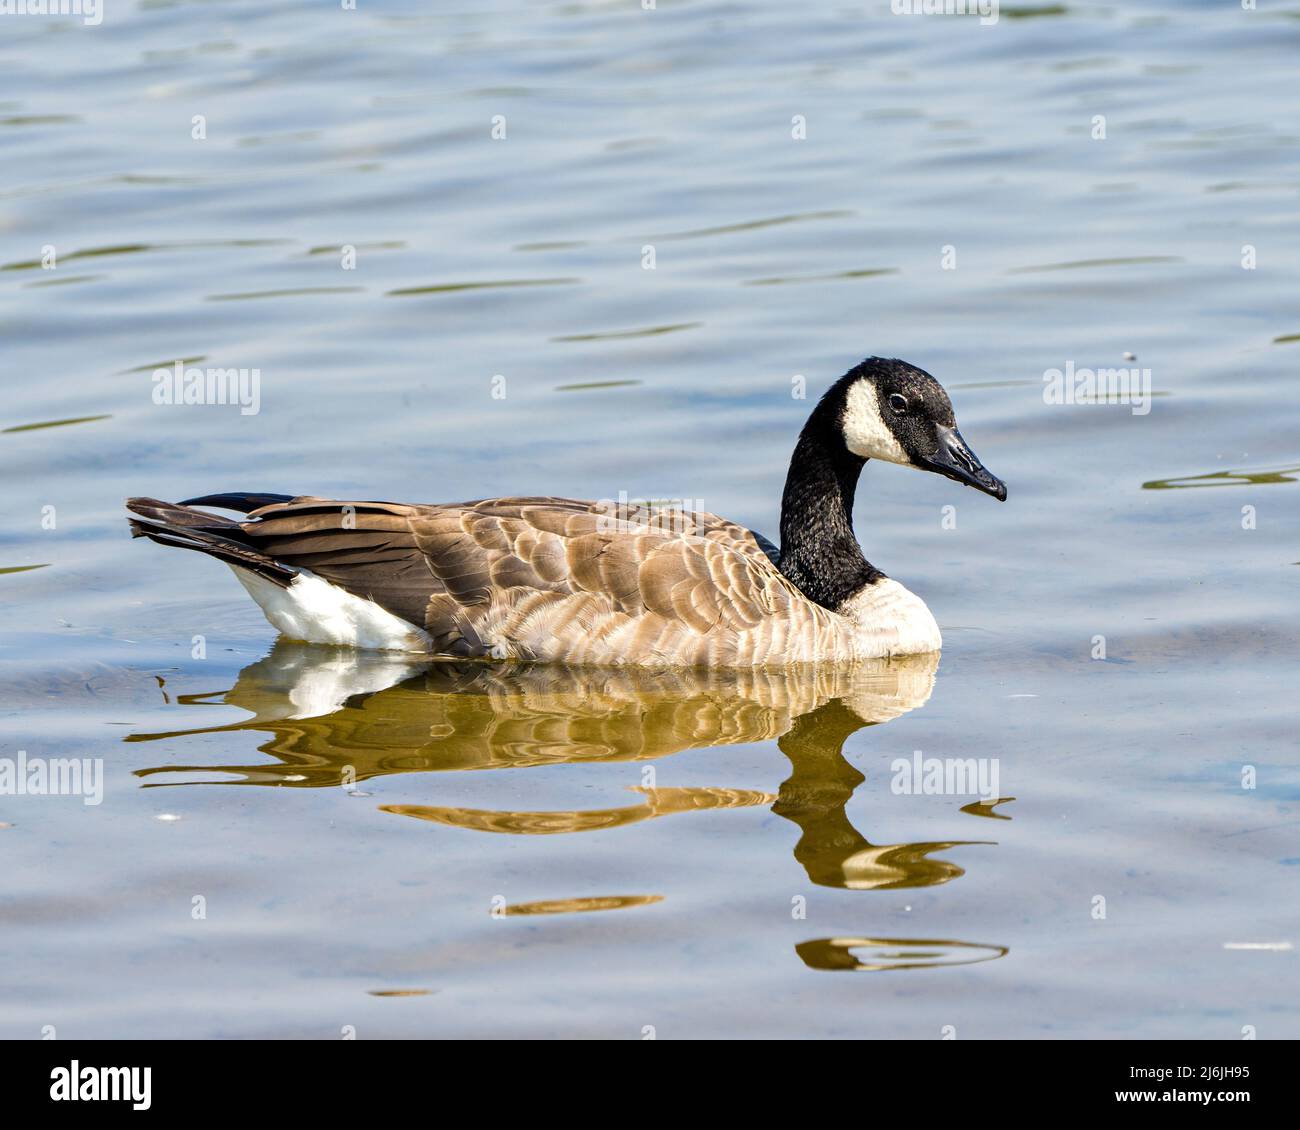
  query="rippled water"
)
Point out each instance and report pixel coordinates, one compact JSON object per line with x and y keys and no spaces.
{"x":701,"y":855}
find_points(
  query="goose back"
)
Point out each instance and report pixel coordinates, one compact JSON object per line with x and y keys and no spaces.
{"x":557,"y":579}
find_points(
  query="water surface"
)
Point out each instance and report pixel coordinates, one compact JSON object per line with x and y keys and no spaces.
{"x":688,"y":856}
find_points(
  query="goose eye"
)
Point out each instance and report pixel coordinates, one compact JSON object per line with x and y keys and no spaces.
{"x":898,"y":402}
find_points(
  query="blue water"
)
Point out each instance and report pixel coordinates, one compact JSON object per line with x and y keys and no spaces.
{"x":949,"y":201}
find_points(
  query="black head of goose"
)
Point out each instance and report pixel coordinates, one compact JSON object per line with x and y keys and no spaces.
{"x":881,"y":409}
{"x":568,"y":581}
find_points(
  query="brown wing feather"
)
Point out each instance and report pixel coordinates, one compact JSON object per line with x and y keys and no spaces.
{"x":366,"y":548}
{"x":546,"y":574}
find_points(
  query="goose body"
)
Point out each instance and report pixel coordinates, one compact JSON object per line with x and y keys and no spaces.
{"x":577,"y":582}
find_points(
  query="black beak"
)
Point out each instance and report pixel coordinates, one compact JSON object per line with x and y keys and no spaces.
{"x":953,"y":458}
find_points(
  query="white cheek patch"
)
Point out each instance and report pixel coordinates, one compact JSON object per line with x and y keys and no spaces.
{"x":865,"y":431}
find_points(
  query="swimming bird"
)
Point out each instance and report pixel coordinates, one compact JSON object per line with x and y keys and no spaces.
{"x":603,"y":583}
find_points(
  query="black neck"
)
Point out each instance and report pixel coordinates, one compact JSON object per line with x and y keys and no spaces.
{"x":819,"y":552}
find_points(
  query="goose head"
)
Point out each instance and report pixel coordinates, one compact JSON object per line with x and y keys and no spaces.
{"x":895,"y":412}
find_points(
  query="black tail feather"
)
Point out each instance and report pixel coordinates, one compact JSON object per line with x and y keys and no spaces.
{"x":236,"y":500}
{"x":170,"y":523}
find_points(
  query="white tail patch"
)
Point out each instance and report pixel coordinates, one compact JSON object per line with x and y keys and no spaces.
{"x":315,"y":611}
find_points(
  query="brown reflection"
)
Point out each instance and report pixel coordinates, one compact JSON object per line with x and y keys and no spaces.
{"x":523,"y":823}
{"x":832,"y":851}
{"x":333,"y":717}
{"x":986,"y":807}
{"x":876,"y":954}
{"x":660,"y":802}
{"x":582,"y":905}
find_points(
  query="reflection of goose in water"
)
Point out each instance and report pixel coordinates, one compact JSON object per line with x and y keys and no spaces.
{"x":329,"y":711}
{"x":658,"y":802}
{"x":877,"y":954}
{"x":832,"y":851}
{"x":335,"y":717}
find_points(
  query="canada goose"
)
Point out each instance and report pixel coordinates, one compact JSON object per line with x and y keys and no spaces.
{"x":559,"y":580}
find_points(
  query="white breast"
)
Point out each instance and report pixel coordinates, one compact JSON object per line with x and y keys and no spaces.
{"x":890,"y":620}
{"x":315,"y":611}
